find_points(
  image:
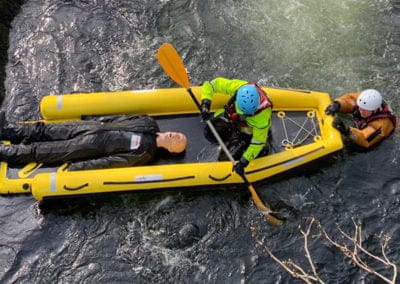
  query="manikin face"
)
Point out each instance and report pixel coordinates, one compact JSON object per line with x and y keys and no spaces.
{"x":174,"y":142}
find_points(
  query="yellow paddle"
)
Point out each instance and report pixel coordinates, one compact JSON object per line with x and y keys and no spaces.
{"x":172,"y":64}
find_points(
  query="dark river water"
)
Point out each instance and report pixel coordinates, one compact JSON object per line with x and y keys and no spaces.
{"x":203,"y":236}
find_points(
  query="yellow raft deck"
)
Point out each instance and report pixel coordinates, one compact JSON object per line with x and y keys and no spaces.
{"x":301,"y":133}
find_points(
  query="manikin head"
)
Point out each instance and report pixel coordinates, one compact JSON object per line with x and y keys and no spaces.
{"x":173,"y":142}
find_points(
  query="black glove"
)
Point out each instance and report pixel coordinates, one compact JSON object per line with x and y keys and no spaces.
{"x":332,"y":108}
{"x":239,"y":166}
{"x":339,"y":125}
{"x":205,"y":109}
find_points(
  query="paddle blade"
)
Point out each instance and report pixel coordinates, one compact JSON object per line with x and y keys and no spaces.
{"x":268,"y":214}
{"x":172,"y":64}
{"x":272,"y":220}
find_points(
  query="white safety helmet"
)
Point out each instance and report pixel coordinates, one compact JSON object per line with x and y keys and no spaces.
{"x":369,"y":99}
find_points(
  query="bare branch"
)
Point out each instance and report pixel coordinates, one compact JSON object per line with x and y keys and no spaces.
{"x":308,"y":254}
{"x":354,"y":253}
{"x":292,"y":268}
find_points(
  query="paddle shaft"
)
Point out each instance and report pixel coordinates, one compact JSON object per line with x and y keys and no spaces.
{"x":257,"y":200}
{"x":214,"y":131}
{"x":263,"y":207}
{"x":173,"y":65}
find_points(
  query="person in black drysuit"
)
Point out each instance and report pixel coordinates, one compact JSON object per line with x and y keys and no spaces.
{"x":108,"y":142}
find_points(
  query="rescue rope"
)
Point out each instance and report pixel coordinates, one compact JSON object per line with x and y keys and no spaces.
{"x":304,"y":132}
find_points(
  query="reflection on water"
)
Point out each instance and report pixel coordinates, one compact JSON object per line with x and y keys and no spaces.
{"x":81,"y":46}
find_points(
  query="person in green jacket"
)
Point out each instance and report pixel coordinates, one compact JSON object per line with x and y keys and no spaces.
{"x":244,"y":122}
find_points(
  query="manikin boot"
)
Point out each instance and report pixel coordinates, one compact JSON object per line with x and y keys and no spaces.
{"x":18,"y":154}
{"x":24,"y":133}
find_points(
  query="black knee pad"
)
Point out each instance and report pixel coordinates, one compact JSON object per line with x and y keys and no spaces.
{"x":223,"y":128}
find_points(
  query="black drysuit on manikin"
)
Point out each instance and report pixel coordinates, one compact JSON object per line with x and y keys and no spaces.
{"x":107,"y":142}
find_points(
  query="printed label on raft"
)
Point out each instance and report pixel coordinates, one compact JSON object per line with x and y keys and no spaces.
{"x":288,"y":164}
{"x":149,"y":178}
{"x":59,"y":102}
{"x":143,"y":91}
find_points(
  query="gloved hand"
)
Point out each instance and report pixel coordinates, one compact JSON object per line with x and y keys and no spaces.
{"x":332,"y":108}
{"x":339,"y":125}
{"x":205,"y":109}
{"x":240,"y":166}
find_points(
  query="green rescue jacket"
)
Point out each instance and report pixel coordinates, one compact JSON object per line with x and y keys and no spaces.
{"x":259,"y":123}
